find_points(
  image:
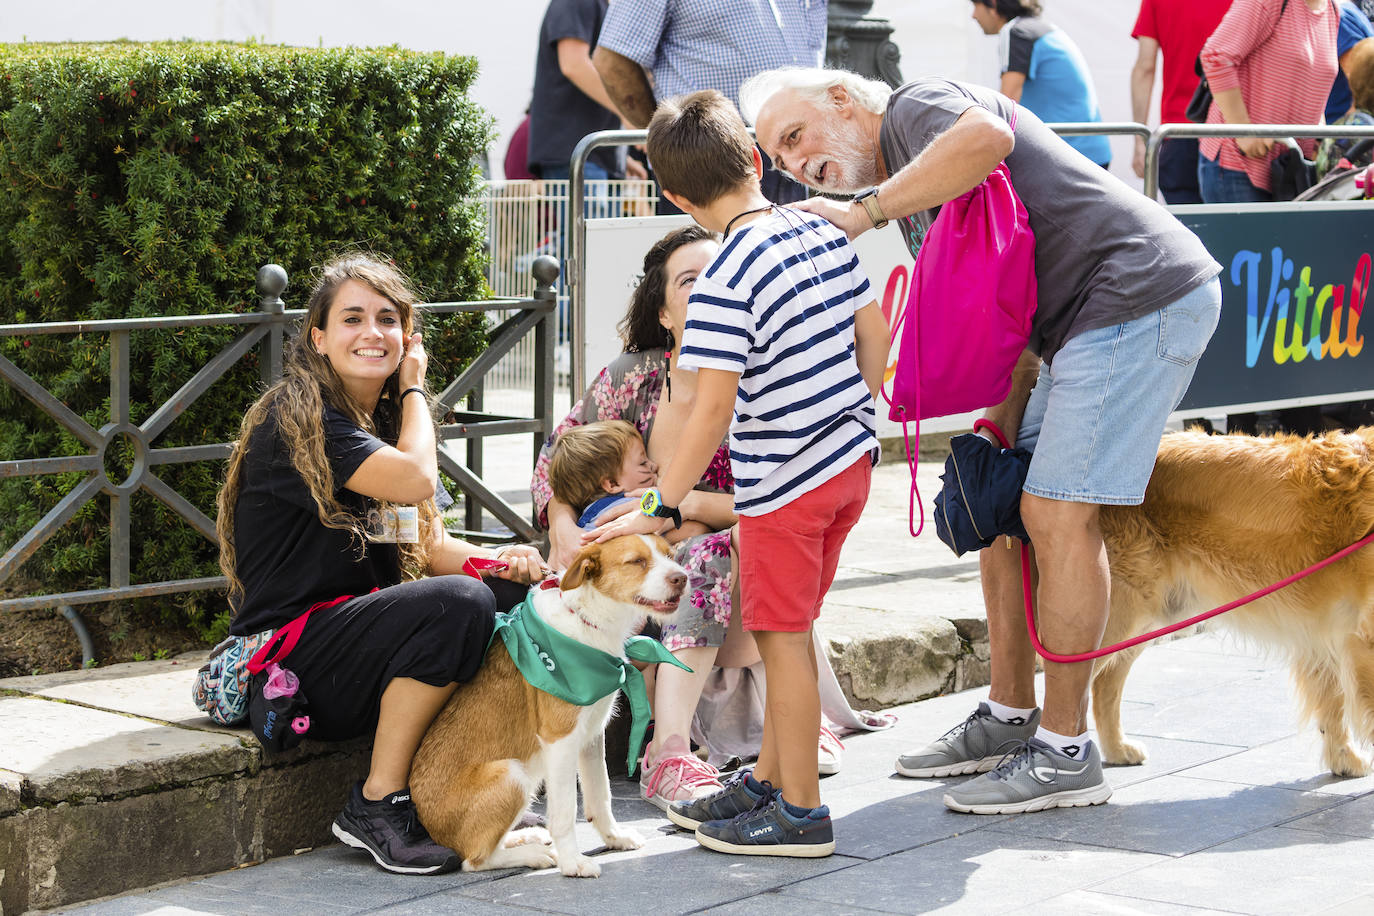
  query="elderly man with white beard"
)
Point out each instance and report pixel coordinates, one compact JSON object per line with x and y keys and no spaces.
{"x":1128,"y":298}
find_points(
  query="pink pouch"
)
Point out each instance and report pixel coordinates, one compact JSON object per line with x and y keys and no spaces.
{"x":973,"y":295}
{"x":972,"y":300}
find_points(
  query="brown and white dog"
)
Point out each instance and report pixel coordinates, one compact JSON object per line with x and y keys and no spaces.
{"x":1228,"y":515}
{"x":499,"y":738}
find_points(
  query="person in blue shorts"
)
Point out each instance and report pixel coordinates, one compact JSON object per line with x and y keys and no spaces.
{"x":1127,"y":298}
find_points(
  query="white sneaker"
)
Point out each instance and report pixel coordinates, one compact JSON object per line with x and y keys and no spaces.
{"x":829,"y":753}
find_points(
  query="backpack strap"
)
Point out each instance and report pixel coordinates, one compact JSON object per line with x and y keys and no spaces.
{"x":284,"y":640}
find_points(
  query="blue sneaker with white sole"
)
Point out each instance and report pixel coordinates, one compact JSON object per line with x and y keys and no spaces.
{"x":769,"y":829}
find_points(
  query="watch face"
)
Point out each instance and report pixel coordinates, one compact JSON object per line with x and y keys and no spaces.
{"x":649,"y":502}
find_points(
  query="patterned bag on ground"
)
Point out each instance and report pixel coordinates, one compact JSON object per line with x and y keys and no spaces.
{"x":221,"y":686}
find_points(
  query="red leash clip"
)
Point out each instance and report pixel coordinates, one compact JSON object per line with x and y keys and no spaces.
{"x":475,"y":566}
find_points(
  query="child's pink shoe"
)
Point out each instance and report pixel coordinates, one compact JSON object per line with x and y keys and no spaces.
{"x":683,"y":777}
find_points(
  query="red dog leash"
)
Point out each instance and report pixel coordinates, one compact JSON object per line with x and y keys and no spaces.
{"x":1154,"y":634}
{"x":1026,"y":588}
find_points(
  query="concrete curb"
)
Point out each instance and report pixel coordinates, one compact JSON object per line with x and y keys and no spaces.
{"x":110,"y":792}
{"x":118,"y":790}
{"x":110,"y":779}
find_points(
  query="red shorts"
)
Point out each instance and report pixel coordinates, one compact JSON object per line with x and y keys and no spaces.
{"x":787,"y":557}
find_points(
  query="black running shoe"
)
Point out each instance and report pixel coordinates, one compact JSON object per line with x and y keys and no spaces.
{"x":768,"y":829}
{"x":734,"y":797}
{"x":390,"y":829}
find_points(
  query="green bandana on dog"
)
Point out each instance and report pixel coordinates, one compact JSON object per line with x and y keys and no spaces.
{"x":579,"y":674}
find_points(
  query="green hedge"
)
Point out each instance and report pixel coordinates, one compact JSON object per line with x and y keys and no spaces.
{"x":154,"y":179}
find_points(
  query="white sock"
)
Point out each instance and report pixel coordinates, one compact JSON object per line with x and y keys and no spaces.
{"x":1074,"y":747}
{"x":1010,"y":714}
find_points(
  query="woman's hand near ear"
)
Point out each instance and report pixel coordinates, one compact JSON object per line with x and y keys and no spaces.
{"x":413,"y":363}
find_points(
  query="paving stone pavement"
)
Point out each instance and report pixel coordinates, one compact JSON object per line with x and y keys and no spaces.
{"x":1231,"y":813}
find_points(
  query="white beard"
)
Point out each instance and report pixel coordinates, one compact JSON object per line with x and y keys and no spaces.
{"x":852,"y":165}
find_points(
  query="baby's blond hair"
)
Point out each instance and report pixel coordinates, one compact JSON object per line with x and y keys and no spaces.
{"x":587,"y":456}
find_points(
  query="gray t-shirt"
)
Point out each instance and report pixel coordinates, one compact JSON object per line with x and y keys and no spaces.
{"x":1104,"y":253}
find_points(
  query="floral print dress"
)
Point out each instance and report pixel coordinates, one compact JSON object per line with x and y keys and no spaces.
{"x":628,"y":389}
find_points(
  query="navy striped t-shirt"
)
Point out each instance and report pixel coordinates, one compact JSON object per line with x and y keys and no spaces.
{"x":777,"y":306}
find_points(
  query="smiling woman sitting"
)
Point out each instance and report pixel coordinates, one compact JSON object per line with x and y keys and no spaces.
{"x":343,"y":440}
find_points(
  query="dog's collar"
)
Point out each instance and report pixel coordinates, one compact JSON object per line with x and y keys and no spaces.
{"x":552,"y":582}
{"x":582,"y":617}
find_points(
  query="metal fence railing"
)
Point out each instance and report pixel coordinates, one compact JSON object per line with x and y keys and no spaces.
{"x":526,"y":219}
{"x":524,"y":324}
{"x":1296,"y":131}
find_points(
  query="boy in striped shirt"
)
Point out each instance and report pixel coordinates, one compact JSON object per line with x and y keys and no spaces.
{"x":789,"y":343}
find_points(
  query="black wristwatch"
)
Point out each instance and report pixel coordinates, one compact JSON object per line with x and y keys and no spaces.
{"x":651,"y":504}
{"x":868,"y":199}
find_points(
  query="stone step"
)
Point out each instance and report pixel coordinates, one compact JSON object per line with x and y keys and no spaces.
{"x":110,"y":779}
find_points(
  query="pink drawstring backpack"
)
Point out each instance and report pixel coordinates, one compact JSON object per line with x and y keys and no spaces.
{"x":973,"y":295}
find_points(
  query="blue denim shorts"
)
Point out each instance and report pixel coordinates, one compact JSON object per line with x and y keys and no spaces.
{"x":1095,"y":417}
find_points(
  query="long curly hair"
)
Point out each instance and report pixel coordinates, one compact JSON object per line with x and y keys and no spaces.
{"x":296,"y":402}
{"x":640,"y":329}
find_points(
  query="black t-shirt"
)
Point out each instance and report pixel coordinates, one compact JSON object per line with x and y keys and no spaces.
{"x":560,"y":113}
{"x":286,"y":559}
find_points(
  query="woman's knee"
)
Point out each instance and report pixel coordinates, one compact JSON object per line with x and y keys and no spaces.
{"x":447,"y":607}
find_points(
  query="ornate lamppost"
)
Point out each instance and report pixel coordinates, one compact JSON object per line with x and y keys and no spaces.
{"x":861,"y":44}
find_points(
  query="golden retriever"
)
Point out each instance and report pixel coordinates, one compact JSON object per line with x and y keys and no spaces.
{"x":1225,"y":516}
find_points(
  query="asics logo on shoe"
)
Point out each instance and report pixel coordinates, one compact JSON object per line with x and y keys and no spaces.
{"x":399,"y":799}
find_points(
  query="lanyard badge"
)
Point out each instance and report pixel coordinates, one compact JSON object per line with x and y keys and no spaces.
{"x":394,"y":525}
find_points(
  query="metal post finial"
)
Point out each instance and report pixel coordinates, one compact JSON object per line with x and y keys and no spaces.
{"x":545,"y":271}
{"x":271,"y":283}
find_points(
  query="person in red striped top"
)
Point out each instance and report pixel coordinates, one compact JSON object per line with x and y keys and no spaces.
{"x":1268,"y":62}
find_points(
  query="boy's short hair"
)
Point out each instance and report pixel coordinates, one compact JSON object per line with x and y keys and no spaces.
{"x":700,"y":147}
{"x":585,"y":457}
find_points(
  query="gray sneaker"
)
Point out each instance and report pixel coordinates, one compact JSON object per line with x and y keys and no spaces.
{"x":973,"y":746}
{"x":1033,"y":778}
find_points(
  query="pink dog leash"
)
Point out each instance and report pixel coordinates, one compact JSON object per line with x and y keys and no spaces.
{"x":1154,"y":634}
{"x":1046,"y":654}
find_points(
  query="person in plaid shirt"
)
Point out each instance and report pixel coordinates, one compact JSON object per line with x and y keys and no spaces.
{"x":688,"y":45}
